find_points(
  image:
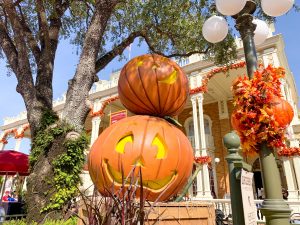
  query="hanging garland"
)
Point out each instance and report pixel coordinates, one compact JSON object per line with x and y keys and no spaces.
{"x":21,"y":134}
{"x":288,"y":152}
{"x":203,"y":88}
{"x":257,"y":117}
{"x":100,"y":112}
{"x":14,"y":131}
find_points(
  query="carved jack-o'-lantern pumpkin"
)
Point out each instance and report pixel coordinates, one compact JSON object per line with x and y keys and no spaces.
{"x":153,"y":85}
{"x":161,"y":150}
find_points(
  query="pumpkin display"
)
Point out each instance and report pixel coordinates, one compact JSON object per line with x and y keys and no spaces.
{"x":282,"y":111}
{"x":153,"y":85}
{"x":157,"y":148}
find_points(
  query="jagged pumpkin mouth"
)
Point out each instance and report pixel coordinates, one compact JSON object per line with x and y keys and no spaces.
{"x":153,"y":185}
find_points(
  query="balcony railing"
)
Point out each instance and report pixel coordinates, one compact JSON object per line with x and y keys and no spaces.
{"x":209,"y":140}
{"x":225,"y":206}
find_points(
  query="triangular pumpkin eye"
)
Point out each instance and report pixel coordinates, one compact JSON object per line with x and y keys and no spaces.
{"x":120,"y":147}
{"x":161,"y":147}
{"x":171,"y":79}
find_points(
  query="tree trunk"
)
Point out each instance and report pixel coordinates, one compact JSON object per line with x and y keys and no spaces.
{"x":38,"y":185}
{"x":74,"y":113}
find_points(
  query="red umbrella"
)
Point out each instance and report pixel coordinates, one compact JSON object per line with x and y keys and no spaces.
{"x":12,"y":162}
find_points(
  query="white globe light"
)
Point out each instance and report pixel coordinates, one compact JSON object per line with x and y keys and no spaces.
{"x":261,"y":32}
{"x":217,"y":160}
{"x":215,"y":29}
{"x":230,"y":7}
{"x":276,"y":7}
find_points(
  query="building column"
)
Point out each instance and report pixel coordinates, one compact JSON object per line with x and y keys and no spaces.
{"x":197,"y":146}
{"x":290,"y":179}
{"x":287,"y":165}
{"x":296,"y":163}
{"x":95,"y":122}
{"x":289,"y":169}
{"x":205,"y":172}
{"x":2,"y":145}
{"x":87,"y":186}
{"x":19,"y":138}
{"x":95,"y":129}
{"x":18,"y":144}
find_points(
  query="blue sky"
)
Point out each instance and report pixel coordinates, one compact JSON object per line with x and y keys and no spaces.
{"x":12,"y":104}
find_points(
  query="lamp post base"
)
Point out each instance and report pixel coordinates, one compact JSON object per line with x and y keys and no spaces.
{"x":274,"y":208}
{"x":276,"y":211}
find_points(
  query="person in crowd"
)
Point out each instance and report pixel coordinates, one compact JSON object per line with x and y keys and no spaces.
{"x":285,"y":194}
{"x":12,"y":197}
{"x":6,"y":196}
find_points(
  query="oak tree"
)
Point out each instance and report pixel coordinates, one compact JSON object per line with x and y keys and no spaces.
{"x":30,"y":31}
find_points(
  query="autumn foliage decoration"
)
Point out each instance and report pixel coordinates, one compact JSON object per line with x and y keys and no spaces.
{"x":260,"y":114}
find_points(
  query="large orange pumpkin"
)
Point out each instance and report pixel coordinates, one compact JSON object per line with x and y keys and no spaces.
{"x":282,"y":111}
{"x":161,"y":150}
{"x":153,"y":85}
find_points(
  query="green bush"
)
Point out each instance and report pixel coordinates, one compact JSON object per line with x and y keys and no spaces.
{"x":72,"y":221}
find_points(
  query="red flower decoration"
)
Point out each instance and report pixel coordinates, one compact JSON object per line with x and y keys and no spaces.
{"x":202,"y":160}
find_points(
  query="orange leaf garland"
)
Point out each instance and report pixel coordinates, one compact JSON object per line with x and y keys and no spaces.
{"x":288,"y":152}
{"x":253,"y":117}
{"x":100,"y":112}
{"x":203,"y":88}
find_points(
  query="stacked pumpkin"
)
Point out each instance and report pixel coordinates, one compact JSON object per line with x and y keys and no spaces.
{"x":146,"y":145}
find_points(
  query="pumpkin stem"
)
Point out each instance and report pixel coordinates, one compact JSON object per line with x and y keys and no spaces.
{"x":172,"y":121}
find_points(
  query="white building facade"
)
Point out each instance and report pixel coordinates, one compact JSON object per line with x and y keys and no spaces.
{"x":205,"y":119}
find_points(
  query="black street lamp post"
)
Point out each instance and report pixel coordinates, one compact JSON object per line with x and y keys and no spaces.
{"x":274,"y":208}
{"x":215,"y":29}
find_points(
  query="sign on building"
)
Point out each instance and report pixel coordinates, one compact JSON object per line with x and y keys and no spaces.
{"x":248,"y":198}
{"x":116,"y":116}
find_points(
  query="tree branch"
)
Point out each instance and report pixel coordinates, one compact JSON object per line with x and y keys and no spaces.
{"x":23,"y":71}
{"x":55,"y":25}
{"x":9,"y":48}
{"x":18,"y":62}
{"x":43,"y":25}
{"x":84,"y":77}
{"x":49,"y":34}
{"x":18,"y":2}
{"x":118,"y":50}
{"x":32,"y":43}
{"x":176,"y":54}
